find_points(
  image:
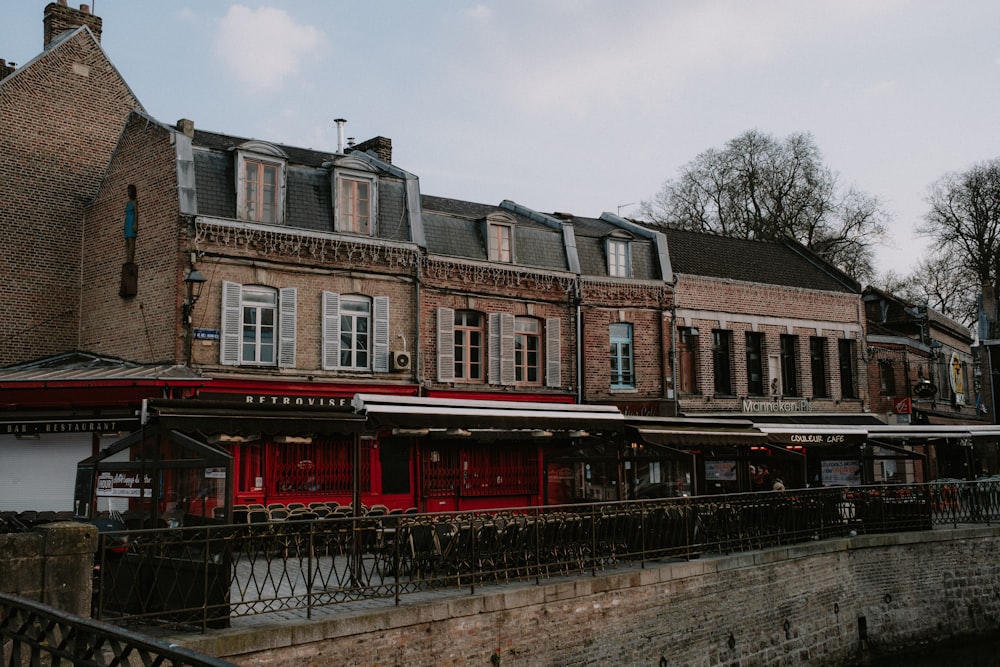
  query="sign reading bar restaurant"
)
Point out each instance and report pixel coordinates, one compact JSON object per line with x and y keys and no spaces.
{"x":123,"y":485}
{"x":68,"y":426}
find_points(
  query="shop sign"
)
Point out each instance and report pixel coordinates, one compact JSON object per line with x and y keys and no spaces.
{"x":123,"y":485}
{"x":775,"y":406}
{"x":68,"y":426}
{"x":902,"y":406}
{"x":284,"y":401}
{"x":806,"y":439}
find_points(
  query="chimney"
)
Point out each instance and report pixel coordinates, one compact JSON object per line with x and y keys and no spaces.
{"x":381,"y":146}
{"x":60,"y":18}
{"x":186,"y":127}
{"x":340,"y":134}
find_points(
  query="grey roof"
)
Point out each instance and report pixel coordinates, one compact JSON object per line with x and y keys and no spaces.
{"x":591,"y":244}
{"x":308,"y":196}
{"x":784,"y":263}
{"x":455,"y":228}
{"x":85,"y":366}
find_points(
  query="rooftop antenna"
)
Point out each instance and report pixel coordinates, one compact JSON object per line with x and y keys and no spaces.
{"x":621,"y":206}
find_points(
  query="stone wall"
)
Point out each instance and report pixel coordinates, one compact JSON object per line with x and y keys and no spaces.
{"x":822,"y":604}
{"x":52,"y":564}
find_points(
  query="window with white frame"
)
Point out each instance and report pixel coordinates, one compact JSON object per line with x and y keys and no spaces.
{"x":619,"y":258}
{"x":527,"y":351}
{"x":500,"y":239}
{"x":355,"y":197}
{"x":355,"y":332}
{"x":622,"y":362}
{"x":258,"y":326}
{"x":260,"y":187}
{"x":468,"y":346}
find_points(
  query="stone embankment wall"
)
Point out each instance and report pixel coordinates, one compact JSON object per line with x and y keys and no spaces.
{"x":52,"y":564}
{"x":823,"y":603}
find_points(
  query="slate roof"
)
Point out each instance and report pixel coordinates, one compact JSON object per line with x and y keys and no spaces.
{"x":84,"y":366}
{"x":783,"y":263}
{"x":308,"y":197}
{"x":454,"y":227}
{"x":591,"y":247}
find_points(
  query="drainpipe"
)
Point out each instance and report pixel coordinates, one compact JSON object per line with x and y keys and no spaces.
{"x":577,"y":301}
{"x":673,"y":347}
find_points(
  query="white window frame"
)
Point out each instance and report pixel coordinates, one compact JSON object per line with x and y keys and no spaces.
{"x":333,"y":314}
{"x":357,"y":171}
{"x":619,"y":253}
{"x":616,"y":343}
{"x":257,"y":152}
{"x":233,"y":329}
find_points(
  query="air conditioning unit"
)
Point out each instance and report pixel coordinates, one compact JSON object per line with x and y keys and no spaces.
{"x":401,"y":360}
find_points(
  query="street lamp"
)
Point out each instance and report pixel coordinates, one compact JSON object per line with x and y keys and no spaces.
{"x":194,"y":281}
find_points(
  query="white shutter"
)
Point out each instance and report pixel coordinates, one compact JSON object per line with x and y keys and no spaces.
{"x":380,"y":360}
{"x":331,"y":330}
{"x":446,"y":344}
{"x":553,"y":348}
{"x":232,"y":318}
{"x":286,"y":323}
{"x":495,"y":346}
{"x":507,"y":374}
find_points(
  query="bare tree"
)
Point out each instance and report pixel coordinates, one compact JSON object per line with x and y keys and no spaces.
{"x":941,"y":281}
{"x":964,"y":220}
{"x":759,"y":187}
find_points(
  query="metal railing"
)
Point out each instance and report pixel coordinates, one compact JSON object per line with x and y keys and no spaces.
{"x":206,"y":576}
{"x":35,"y":634}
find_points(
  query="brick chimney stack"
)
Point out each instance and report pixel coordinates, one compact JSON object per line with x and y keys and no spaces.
{"x":60,"y":18}
{"x":381,"y":146}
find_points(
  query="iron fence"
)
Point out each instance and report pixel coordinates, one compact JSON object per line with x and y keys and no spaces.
{"x":35,"y":634}
{"x":205,"y":576}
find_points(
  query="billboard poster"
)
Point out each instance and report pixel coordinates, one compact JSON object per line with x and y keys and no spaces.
{"x":841,"y":473}
{"x":124,"y":485}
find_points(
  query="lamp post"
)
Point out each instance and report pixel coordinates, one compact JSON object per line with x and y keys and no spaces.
{"x":195,"y":281}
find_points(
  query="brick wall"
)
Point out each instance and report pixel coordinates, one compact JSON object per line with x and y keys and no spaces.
{"x":59,"y":120}
{"x":801,"y":605}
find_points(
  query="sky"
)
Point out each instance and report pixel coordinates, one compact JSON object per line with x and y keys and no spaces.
{"x":582,"y":106}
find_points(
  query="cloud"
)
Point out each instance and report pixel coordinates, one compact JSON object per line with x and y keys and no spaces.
{"x":263,"y":47}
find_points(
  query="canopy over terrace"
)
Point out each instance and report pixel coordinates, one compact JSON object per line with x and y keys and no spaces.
{"x":426,"y":416}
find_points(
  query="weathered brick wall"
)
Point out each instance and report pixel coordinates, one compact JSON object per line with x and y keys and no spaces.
{"x":59,"y":120}
{"x":708,"y":304}
{"x":792,"y":605}
{"x":146,"y":327}
{"x":52,"y":564}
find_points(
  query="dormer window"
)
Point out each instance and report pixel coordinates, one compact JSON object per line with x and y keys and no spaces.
{"x":260,"y":188}
{"x":619,"y":257}
{"x":355,"y":197}
{"x":499,"y":238}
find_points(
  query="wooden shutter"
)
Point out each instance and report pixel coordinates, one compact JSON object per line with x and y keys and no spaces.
{"x":380,"y":358}
{"x":232,"y":320}
{"x":446,"y":344}
{"x":331,"y":330}
{"x":553,"y":352}
{"x":287,"y":304}
{"x":496,"y":342}
{"x":507,"y":374}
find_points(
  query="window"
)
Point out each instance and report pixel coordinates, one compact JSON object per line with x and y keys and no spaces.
{"x":619,"y":265}
{"x":258,"y":326}
{"x":355,"y":332}
{"x":622,"y":375}
{"x":500,"y":242}
{"x":886,"y":378}
{"x":817,"y":361}
{"x":789,"y":371}
{"x":515,"y":350}
{"x":722,"y":344}
{"x":687,"y":360}
{"x":354,"y":205}
{"x":755,"y":363}
{"x":845,"y":353}
{"x":468,"y":346}
{"x":260,"y":187}
{"x":527,"y":351}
